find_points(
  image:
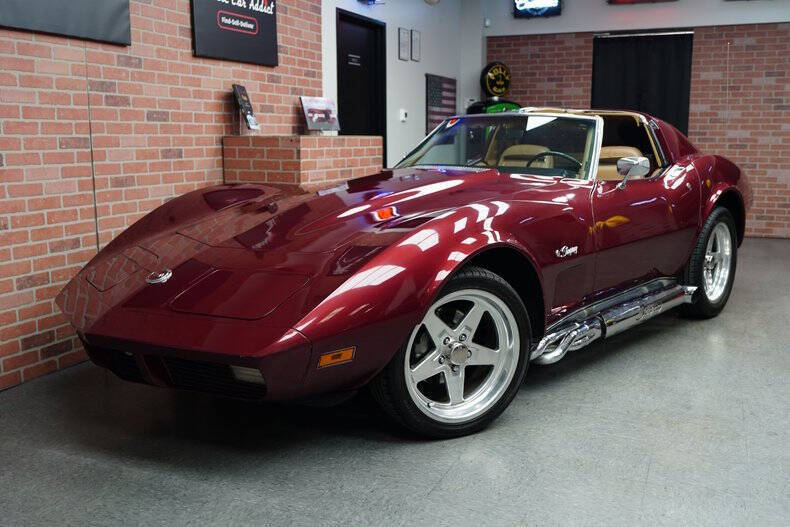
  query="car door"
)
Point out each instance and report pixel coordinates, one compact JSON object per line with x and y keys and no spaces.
{"x":644,"y":229}
{"x":558,"y":222}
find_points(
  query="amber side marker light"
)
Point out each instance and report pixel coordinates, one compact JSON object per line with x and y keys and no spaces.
{"x":333,"y":358}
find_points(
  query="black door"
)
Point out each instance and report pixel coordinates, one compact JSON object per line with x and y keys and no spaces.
{"x":648,"y":73}
{"x":361,"y":82}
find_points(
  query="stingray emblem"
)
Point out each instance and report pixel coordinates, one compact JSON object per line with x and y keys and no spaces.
{"x":159,"y":277}
{"x":565,"y":251}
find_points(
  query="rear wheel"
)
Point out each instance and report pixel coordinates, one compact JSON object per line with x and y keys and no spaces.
{"x":711,"y":267}
{"x":463,"y":363}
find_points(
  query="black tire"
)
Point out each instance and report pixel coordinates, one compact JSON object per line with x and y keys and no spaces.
{"x":693,"y":274}
{"x":389,"y":387}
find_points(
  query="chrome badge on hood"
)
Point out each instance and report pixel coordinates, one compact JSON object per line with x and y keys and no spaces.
{"x":159,"y":277}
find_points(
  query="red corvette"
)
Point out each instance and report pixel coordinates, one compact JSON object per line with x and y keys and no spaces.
{"x":499,"y":241}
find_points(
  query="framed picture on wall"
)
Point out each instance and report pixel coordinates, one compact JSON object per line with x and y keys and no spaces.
{"x":320,"y":113}
{"x":103,"y":21}
{"x":415,"y":45}
{"x":404,"y":43}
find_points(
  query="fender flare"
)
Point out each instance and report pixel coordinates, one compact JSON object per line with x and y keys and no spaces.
{"x":724,"y":193}
{"x":478,"y":250}
{"x":430,"y":263}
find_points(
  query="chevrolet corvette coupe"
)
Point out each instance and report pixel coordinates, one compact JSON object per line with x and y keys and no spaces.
{"x":498,"y":241}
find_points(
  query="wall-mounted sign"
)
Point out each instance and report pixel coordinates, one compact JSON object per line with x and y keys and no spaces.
{"x":416,"y":45}
{"x":104,"y":20}
{"x":495,"y":79}
{"x":245,"y":106}
{"x":240,"y":30}
{"x":320,"y":113}
{"x":536,"y":8}
{"x":626,"y":2}
{"x":404,"y":43}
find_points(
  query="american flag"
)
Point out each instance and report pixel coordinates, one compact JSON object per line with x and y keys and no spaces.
{"x":439,"y":100}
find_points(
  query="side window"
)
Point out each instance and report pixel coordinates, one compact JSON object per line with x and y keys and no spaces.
{"x":623,"y":136}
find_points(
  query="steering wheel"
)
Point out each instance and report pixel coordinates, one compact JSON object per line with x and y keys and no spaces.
{"x":556,"y":154}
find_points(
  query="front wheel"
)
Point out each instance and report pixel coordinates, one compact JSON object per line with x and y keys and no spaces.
{"x":711,"y":267}
{"x":463,"y":363}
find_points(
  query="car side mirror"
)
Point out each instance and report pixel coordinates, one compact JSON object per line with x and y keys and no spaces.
{"x":629,"y":167}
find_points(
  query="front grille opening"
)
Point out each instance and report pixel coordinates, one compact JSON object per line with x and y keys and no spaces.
{"x":125,"y":366}
{"x":210,"y":377}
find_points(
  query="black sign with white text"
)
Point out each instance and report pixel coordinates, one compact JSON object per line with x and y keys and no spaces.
{"x":102,"y":20}
{"x":240,"y":30}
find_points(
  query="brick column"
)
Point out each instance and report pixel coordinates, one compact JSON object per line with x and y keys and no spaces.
{"x":307,"y":161}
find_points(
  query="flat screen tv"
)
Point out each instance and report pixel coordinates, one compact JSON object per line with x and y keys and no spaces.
{"x":536,"y":8}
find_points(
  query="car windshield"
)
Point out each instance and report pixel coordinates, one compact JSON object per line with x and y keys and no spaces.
{"x":519,"y":143}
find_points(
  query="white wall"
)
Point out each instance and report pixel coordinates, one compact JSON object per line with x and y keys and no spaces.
{"x":472,"y":49}
{"x":453,"y":41}
{"x":597,"y":15}
{"x":439,"y":26}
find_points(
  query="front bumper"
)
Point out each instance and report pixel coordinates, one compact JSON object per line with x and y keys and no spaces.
{"x":281,"y":374}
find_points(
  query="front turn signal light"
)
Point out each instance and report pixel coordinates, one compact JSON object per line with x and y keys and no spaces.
{"x":386,"y":213}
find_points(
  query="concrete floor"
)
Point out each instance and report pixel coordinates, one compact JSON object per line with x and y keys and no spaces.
{"x":675,"y":422}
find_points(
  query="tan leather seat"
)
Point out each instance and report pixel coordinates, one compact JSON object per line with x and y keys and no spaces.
{"x":519,"y":156}
{"x":607,"y":166}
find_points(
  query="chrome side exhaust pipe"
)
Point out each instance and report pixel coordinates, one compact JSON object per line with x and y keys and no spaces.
{"x":627,"y":315}
{"x":608,"y":322}
{"x":554,"y":346}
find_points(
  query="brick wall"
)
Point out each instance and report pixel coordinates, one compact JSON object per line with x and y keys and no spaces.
{"x":155,"y":117}
{"x":741,"y":108}
{"x":740,"y":99}
{"x":311,"y":161}
{"x":547,"y":70}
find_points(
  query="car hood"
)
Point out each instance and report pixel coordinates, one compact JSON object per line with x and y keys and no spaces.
{"x":249,"y":252}
{"x":333,"y":218}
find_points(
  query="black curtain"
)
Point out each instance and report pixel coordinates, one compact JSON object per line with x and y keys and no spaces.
{"x":651,"y":74}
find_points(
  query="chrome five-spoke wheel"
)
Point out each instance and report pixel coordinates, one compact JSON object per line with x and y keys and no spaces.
{"x":718,"y":258}
{"x":462,"y":357}
{"x":463,"y":362}
{"x":711,"y":266}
